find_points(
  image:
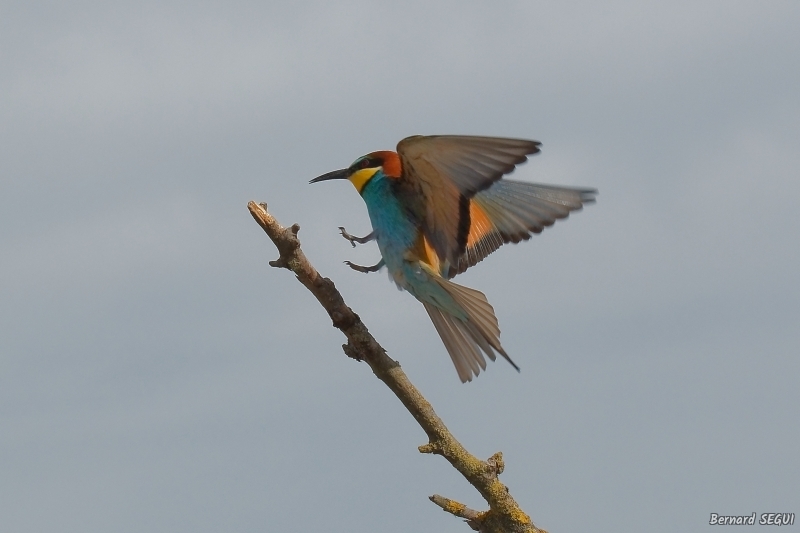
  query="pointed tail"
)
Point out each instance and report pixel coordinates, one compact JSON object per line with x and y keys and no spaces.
{"x":466,"y":339}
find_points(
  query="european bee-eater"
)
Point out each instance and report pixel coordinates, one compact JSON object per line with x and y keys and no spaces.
{"x":438,"y":206}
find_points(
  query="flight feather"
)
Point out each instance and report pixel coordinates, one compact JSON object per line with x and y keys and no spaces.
{"x":448,"y":170}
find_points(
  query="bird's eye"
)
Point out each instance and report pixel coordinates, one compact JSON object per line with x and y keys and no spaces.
{"x":364,"y":163}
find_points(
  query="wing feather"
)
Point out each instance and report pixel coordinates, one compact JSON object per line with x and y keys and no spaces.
{"x":444,"y":169}
{"x":510,"y":211}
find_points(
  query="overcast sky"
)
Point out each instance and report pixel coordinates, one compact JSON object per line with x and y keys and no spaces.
{"x":156,"y":375}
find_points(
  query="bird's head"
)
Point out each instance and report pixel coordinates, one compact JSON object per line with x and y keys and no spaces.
{"x":364,"y":169}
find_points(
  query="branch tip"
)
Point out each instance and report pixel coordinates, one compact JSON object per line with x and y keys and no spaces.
{"x":456,"y":508}
{"x":430,"y":447}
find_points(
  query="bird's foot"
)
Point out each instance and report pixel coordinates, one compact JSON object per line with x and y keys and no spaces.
{"x":365,"y":270}
{"x":353,"y":240}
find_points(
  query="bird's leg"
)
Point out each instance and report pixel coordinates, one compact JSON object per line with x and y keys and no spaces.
{"x":365,"y":270}
{"x":353,"y":240}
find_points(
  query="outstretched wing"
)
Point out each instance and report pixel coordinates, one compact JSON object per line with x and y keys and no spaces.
{"x":510,"y":211}
{"x":444,"y":172}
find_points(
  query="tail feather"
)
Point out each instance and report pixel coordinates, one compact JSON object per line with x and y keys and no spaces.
{"x":478,"y":308}
{"x":464,"y":354}
{"x":480,"y":340}
{"x":468,"y":339}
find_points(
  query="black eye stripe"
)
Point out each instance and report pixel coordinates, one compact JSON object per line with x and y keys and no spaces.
{"x":369,"y":162}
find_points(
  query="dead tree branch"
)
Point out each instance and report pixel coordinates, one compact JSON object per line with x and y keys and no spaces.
{"x":504,"y":515}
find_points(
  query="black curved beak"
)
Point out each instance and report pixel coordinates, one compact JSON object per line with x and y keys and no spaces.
{"x":342,"y":174}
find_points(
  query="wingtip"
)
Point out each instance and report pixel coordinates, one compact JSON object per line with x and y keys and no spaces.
{"x":588,"y":196}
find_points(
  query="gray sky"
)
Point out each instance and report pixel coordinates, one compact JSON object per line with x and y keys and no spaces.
{"x":156,"y":375}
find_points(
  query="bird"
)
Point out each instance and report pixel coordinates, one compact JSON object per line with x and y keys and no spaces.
{"x":439,"y":205}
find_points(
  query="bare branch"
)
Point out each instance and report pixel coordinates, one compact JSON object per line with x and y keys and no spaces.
{"x":504,"y":515}
{"x":473,"y":517}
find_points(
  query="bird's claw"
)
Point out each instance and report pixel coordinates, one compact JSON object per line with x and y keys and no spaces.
{"x":347,"y":236}
{"x":365,"y":270}
{"x":353,"y":239}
